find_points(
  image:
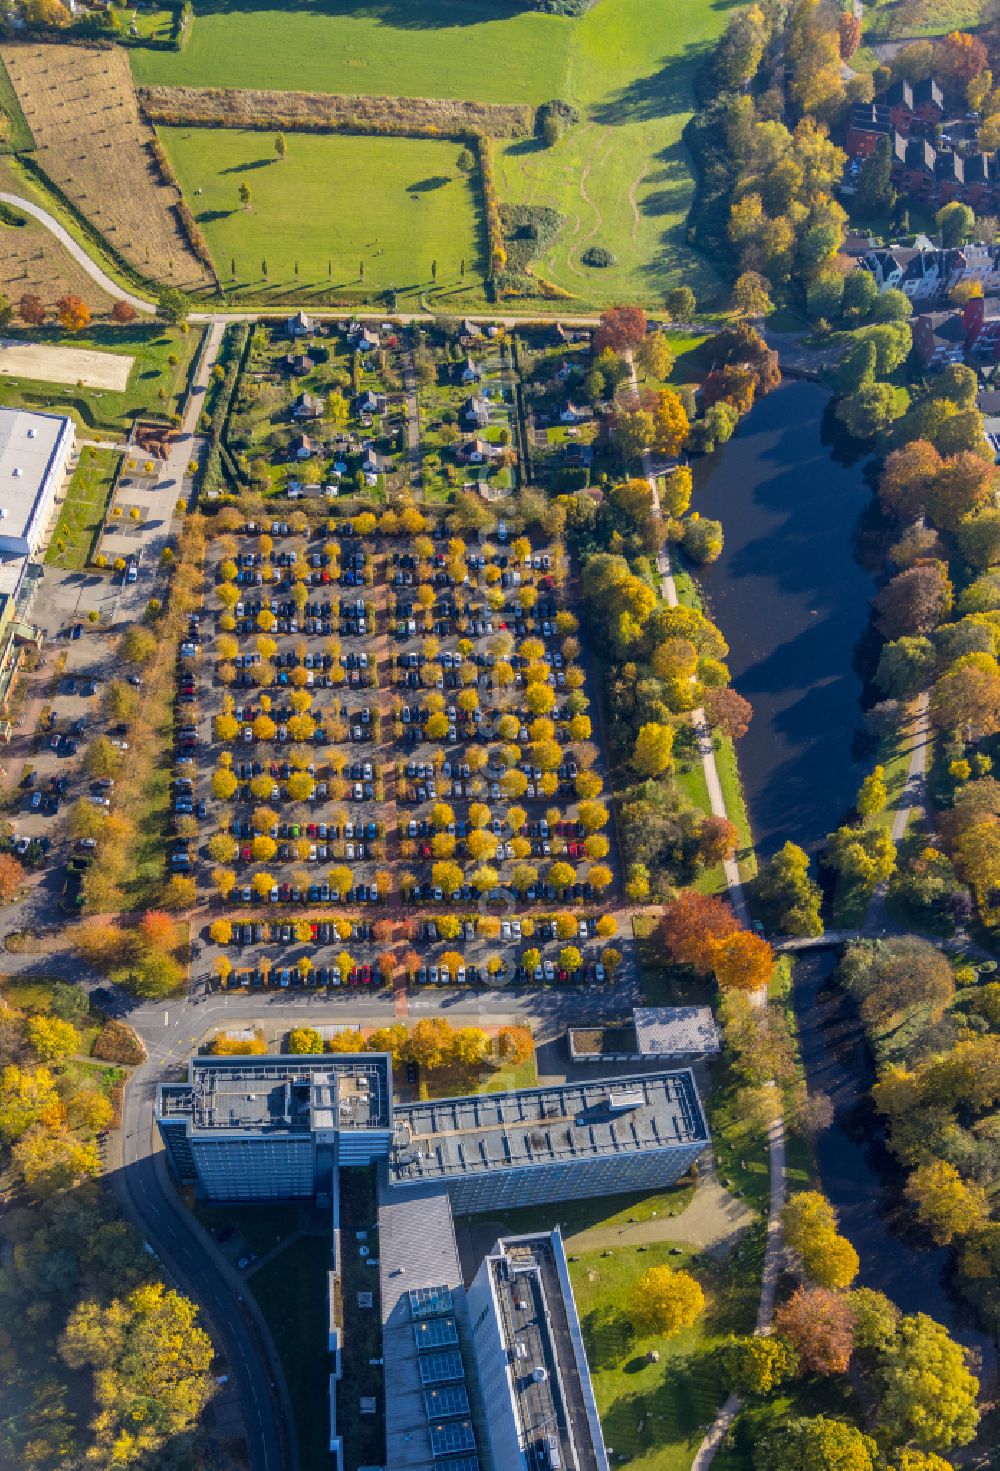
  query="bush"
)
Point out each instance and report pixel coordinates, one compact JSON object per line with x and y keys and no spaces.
{"x":117,"y":1042}
{"x":598,"y":256}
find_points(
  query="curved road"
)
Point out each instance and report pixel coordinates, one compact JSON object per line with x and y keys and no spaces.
{"x":78,"y":253}
{"x":148,"y":1199}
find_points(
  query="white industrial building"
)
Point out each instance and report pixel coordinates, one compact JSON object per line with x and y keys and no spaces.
{"x":35,"y":451}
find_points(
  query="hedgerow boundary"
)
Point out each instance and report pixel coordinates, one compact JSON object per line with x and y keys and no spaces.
{"x":318,"y":112}
{"x":474,"y":123}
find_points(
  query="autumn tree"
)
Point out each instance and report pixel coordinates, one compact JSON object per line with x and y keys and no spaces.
{"x":31,"y":309}
{"x":51,"y":1039}
{"x":819,"y":1325}
{"x":28,"y":1096}
{"x":691,"y":927}
{"x":620,"y":328}
{"x":945,"y":1203}
{"x":152,"y":1368}
{"x":48,"y":1161}
{"x":729,"y":711}
{"x":12,"y":876}
{"x":742,"y":961}
{"x":928,"y":1394}
{"x":73,"y":313}
{"x":810,"y":1227}
{"x":664,"y":1301}
{"x":654,"y":746}
{"x":123,"y":313}
{"x":891,"y":978}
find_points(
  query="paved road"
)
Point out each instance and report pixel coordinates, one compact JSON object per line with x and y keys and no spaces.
{"x":78,"y":253}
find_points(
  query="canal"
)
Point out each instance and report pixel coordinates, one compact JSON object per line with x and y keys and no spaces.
{"x":792,"y":602}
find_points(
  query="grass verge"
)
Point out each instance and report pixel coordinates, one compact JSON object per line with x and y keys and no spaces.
{"x":83,"y":510}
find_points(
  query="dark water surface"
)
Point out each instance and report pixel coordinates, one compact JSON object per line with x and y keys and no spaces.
{"x":792,"y":603}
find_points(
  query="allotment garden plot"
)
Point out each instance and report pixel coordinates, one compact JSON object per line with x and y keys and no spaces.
{"x":320,"y":410}
{"x":386,"y":765}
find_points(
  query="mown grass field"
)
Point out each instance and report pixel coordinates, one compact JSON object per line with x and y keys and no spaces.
{"x":654,"y":1414}
{"x":333,"y":204}
{"x":156,"y":385}
{"x":621,"y":178}
{"x":83,"y":510}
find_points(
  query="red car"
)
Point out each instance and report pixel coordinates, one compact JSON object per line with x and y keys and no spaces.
{"x":366,"y":975}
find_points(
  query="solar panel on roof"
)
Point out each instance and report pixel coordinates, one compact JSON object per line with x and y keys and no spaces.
{"x":453,"y":1436}
{"x":435,"y":1333}
{"x":462,"y":1463}
{"x":450,"y":1399}
{"x":429,"y":1302}
{"x":440,"y":1368}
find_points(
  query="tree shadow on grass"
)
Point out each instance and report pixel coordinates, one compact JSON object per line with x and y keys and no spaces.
{"x":428,"y":185}
{"x":661,"y":94}
{"x":209,"y":216}
{"x":243,"y":168}
{"x":673,"y":1411}
{"x":409,"y":15}
{"x":609,"y":1336}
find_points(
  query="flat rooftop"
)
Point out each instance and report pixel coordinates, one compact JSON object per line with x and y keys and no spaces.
{"x":461,"y":1136}
{"x":28,"y":443}
{"x":422,"y":1301}
{"x":549,"y":1377}
{"x":285,"y":1094}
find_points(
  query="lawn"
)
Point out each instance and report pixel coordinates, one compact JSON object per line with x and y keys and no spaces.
{"x":621,"y":178}
{"x":333,"y":206}
{"x":654,"y":1413}
{"x":83,"y":510}
{"x":16,"y":136}
{"x":892,"y":19}
{"x":574,"y":1216}
{"x":291,"y":1291}
{"x":156,"y":387}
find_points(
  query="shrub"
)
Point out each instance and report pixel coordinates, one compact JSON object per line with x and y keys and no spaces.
{"x":117,"y":1042}
{"x":599,"y":257}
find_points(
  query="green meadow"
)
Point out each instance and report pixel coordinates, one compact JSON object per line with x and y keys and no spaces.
{"x":332,"y":206}
{"x":621,"y":178}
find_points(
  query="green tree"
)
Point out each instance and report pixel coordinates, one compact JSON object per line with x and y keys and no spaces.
{"x":928,"y":1393}
{"x":280,"y":145}
{"x":789,"y":896}
{"x":905,"y":667}
{"x":870,"y":410}
{"x":681,"y":304}
{"x":819,"y":1443}
{"x":875,"y":194}
{"x":757,"y":1364}
{"x":956,"y":223}
{"x":172,"y":305}
{"x":246,"y":195}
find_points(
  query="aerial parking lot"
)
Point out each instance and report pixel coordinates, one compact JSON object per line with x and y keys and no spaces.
{"x":386,"y":770}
